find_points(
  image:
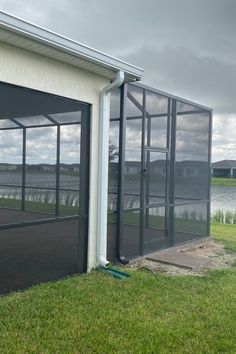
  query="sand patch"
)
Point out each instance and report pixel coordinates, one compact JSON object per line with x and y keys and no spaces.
{"x":192,"y":259}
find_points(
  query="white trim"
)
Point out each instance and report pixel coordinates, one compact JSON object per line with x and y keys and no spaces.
{"x":33,"y":38}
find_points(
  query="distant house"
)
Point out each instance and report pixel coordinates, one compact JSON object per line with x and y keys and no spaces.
{"x":40,"y":167}
{"x":75,"y":167}
{"x":64,"y":167}
{"x":8,"y":167}
{"x":47,"y":168}
{"x":158,"y":167}
{"x":43,"y":167}
{"x":132,"y":167}
{"x":189,"y":168}
{"x":224,"y":168}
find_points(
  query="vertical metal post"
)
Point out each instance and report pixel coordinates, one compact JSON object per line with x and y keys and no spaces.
{"x":168,"y":144}
{"x":57,"y":211}
{"x":168,"y":137}
{"x":143,"y":177}
{"x":121,"y":177}
{"x":209,"y":176}
{"x":23,"y":169}
{"x":82,"y":243}
{"x":148,"y":127}
{"x":172,"y":175}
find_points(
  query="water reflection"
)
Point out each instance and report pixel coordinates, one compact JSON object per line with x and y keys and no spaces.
{"x":223,"y":198}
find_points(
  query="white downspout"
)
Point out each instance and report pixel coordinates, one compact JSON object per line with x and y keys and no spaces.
{"x":104,"y":124}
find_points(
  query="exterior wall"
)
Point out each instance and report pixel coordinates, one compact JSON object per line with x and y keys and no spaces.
{"x":221,"y":172}
{"x":23,"y":68}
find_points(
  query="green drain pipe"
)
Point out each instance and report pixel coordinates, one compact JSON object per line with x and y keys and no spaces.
{"x":114,"y":272}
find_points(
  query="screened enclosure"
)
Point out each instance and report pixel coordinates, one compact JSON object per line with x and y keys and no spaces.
{"x":159,"y":171}
{"x":44,"y":146}
{"x":159,"y":179}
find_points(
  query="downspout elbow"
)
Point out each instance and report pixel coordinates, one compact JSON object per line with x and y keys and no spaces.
{"x":102,"y":261}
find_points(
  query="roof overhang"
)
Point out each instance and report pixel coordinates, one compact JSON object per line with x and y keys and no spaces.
{"x":22,"y":34}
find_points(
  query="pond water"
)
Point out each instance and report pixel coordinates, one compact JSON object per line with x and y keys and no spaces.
{"x":223,"y":198}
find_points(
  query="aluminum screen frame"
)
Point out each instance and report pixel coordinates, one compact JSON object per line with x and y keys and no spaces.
{"x":41,"y":220}
{"x":171,"y":112}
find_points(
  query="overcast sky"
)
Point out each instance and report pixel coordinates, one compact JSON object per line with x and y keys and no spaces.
{"x":186,"y":47}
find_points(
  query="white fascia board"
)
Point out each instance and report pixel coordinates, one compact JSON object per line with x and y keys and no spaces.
{"x":12,"y":28}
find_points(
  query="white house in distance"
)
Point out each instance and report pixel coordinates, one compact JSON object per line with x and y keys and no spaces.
{"x":224,"y":168}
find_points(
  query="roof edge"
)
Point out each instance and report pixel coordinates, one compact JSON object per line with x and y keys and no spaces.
{"x":49,"y":38}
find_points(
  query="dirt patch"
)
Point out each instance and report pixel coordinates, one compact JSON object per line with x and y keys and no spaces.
{"x":213,"y":252}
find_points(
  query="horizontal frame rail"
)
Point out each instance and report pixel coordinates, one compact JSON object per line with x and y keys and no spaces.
{"x":37,"y":222}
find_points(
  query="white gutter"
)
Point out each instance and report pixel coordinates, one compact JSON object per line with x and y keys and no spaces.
{"x":23,"y":34}
{"x":104,"y":124}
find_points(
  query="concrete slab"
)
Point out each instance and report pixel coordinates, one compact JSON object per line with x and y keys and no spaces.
{"x":180,"y":259}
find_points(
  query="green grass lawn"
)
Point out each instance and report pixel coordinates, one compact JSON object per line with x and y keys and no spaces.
{"x":225,"y":233}
{"x":224,"y":182}
{"x":95,"y":313}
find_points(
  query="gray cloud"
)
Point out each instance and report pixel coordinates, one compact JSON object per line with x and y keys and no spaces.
{"x":186,"y":47}
{"x":41,"y":145}
{"x":187,"y":74}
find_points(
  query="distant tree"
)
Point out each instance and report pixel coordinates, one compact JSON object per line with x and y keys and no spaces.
{"x":113,"y":166}
{"x":113,"y":152}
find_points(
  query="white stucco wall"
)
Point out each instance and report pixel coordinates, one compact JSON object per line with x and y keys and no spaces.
{"x":24,"y":68}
